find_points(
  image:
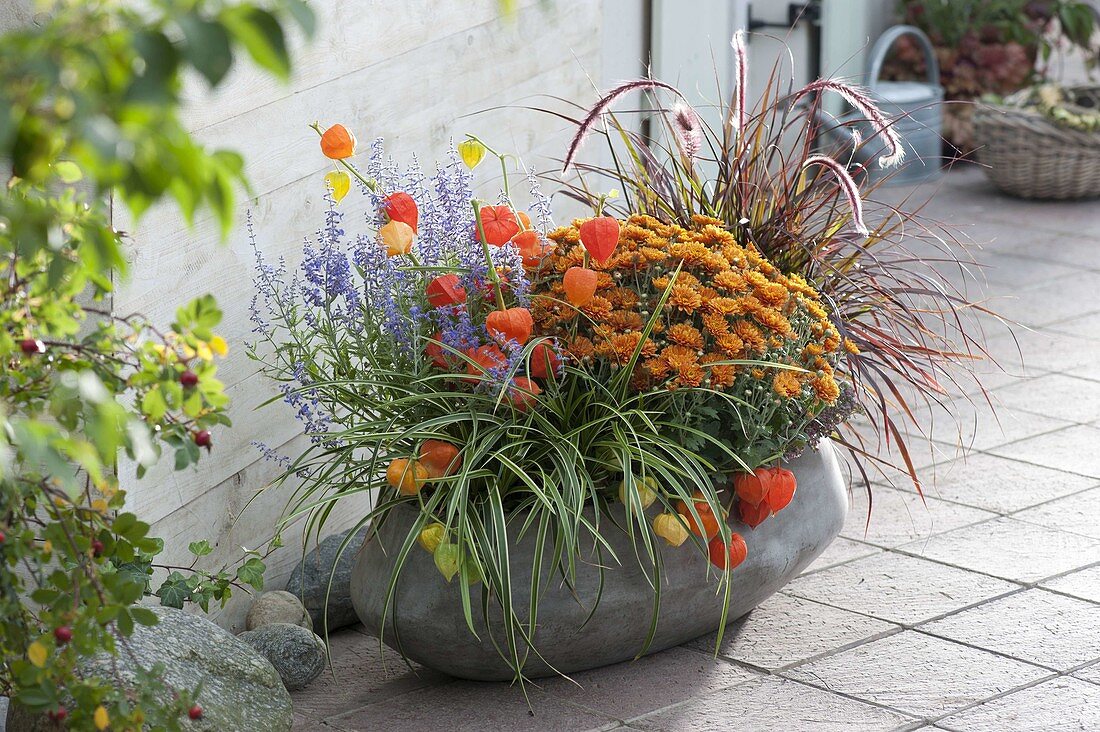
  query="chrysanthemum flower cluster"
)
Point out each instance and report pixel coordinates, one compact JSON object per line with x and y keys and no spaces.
{"x":729,"y":321}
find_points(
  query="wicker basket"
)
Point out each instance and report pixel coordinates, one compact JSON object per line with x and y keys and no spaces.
{"x":1029,"y":156}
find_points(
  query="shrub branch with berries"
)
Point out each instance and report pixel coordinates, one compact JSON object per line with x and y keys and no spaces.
{"x":90,"y":95}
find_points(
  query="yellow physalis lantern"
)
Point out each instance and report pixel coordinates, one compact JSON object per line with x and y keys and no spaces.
{"x":471,"y":151}
{"x":645,"y":490}
{"x":671,"y":528}
{"x":432,"y":536}
{"x":340,"y":183}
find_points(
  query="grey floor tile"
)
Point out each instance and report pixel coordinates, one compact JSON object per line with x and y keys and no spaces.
{"x":360,"y":675}
{"x":918,"y":674}
{"x":1058,"y":705}
{"x":965,"y":424}
{"x":1008,"y":272}
{"x":1042,"y":350}
{"x":1055,"y":395}
{"x":1073,"y":449}
{"x":1014,"y":550}
{"x":1079,"y":513}
{"x":467,"y":706}
{"x":1035,"y":625}
{"x":1000,"y":484}
{"x":786,"y":630}
{"x":1084,"y":584}
{"x":898,"y":588}
{"x":889,"y":517}
{"x":1089,"y":673}
{"x":840,"y":551}
{"x":772,"y":704}
{"x":1084,"y":326}
{"x":635,"y":688}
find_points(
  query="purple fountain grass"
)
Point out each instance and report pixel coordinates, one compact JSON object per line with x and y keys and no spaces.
{"x":601,"y":107}
{"x":862,"y":101}
{"x":847,"y":184}
{"x":741,"y":73}
{"x":688,"y":129}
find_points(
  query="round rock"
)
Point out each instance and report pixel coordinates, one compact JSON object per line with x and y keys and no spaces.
{"x":297,"y":653}
{"x":240,"y":689}
{"x":310,"y":580}
{"x":277,"y":607}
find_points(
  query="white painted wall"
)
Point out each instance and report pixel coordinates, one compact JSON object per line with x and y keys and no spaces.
{"x":408,"y":70}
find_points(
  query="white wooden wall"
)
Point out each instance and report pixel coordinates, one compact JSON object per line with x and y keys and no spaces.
{"x":408,"y":70}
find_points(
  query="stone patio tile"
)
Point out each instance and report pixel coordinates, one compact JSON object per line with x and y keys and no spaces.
{"x":999,"y":484}
{"x":918,"y":674}
{"x":1083,"y":326}
{"x":1084,"y":584}
{"x":1042,"y":350}
{"x":360,"y":675}
{"x":974,"y":425}
{"x":1055,"y":395}
{"x":1035,"y":625}
{"x":1072,"y":449}
{"x":772,"y":704}
{"x":308,"y":724}
{"x":1005,"y":271}
{"x":1058,"y":705}
{"x":897,"y":517}
{"x":636,"y":688}
{"x":898,"y":588}
{"x":1011,"y":549}
{"x":469,"y":706}
{"x":840,"y":551}
{"x":1078,"y":251}
{"x":787,"y":630}
{"x":1079,"y":513}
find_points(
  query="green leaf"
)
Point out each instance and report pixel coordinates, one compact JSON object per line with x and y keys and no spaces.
{"x":252,"y":573}
{"x":144,"y":616}
{"x":68,"y":171}
{"x":153,"y":404}
{"x":207,"y":48}
{"x":174,"y":592}
{"x":200,"y":548}
{"x":261,"y":35}
{"x":304,"y":15}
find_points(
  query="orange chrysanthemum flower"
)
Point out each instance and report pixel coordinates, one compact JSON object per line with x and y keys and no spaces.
{"x":683,"y":334}
{"x":786,"y":384}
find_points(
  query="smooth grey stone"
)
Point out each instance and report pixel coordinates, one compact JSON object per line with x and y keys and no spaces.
{"x":426,"y":621}
{"x":240,"y":689}
{"x":309,"y":581}
{"x":297,"y":653}
{"x":277,"y":607}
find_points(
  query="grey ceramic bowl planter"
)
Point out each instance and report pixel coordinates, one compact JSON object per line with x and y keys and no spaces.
{"x":427,"y":625}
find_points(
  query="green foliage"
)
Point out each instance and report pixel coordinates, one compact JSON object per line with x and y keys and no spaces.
{"x":89,"y":97}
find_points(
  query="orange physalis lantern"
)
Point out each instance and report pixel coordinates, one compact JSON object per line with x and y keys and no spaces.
{"x":445,"y":290}
{"x":580,"y":285}
{"x":600,"y":236}
{"x":402,"y":207}
{"x":524,"y":220}
{"x":499,"y":224}
{"x":544,"y":361}
{"x":753,"y":487}
{"x":434,"y":350}
{"x":753,"y":515}
{"x":440,"y":458}
{"x":531,"y":248}
{"x":523,"y":393}
{"x":708,"y":522}
{"x":407,"y":476}
{"x":729,"y":555}
{"x":337,"y":143}
{"x":485,"y":358}
{"x":397,"y":236}
{"x":782,"y":490}
{"x":513,"y":324}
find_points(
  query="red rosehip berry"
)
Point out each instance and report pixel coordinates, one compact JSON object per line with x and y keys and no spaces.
{"x":202,"y":438}
{"x":31,"y":346}
{"x":195,"y":712}
{"x":63,"y":634}
{"x":57,"y":715}
{"x":3,"y":537}
{"x":97,"y":547}
{"x":189,"y":378}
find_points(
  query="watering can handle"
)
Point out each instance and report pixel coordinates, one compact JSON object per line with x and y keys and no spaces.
{"x":886,"y":41}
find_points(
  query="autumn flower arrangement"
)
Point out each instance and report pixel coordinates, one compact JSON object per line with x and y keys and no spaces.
{"x":645,"y":369}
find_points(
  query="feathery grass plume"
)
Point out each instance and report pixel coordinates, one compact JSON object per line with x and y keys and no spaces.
{"x":741,"y":73}
{"x":862,"y":101}
{"x":604,"y":104}
{"x":688,"y":129}
{"x":847,"y":184}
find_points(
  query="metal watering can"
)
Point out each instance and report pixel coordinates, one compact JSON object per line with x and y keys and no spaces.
{"x":916,"y":108}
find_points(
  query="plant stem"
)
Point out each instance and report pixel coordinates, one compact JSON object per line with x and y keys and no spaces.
{"x":351,"y":168}
{"x":494,"y":276}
